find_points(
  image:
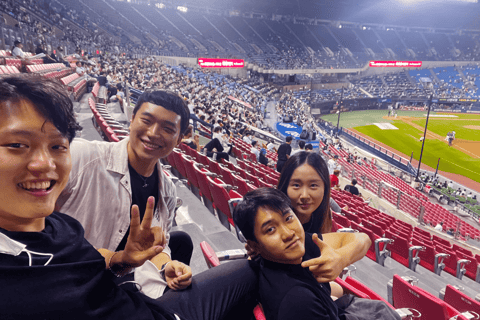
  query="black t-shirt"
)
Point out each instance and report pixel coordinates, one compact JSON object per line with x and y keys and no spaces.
{"x":283,"y":150}
{"x":262,"y":159}
{"x":352,"y":189}
{"x":291,"y":291}
{"x":73,"y":285}
{"x":142,"y":188}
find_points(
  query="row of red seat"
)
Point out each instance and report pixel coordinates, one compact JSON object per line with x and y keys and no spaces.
{"x":6,"y":70}
{"x":51,"y":70}
{"x":411,"y":200}
{"x":204,"y":182}
{"x":434,"y":253}
{"x":112,"y":130}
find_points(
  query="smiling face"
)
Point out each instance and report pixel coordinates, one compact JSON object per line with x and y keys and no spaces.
{"x":280,"y":236}
{"x":154,"y":132}
{"x":305,"y":190}
{"x":34,"y":167}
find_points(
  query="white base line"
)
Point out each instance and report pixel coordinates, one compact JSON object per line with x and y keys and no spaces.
{"x":476,"y":173}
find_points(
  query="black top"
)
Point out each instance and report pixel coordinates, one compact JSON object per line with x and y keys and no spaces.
{"x":74,"y":284}
{"x":291,"y":292}
{"x":142,"y":188}
{"x":102,"y":80}
{"x":283,"y":150}
{"x":352,"y":189}
{"x":262,"y":159}
{"x":191,"y":144}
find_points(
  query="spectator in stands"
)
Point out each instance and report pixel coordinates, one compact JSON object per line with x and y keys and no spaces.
{"x":102,"y":80}
{"x":195,"y":143}
{"x":17,"y":52}
{"x":352,"y":188}
{"x":223,"y":138}
{"x":214,"y":146}
{"x":271,"y":146}
{"x":80,"y":70}
{"x":131,"y":172}
{"x":333,"y":164}
{"x":286,"y":250}
{"x":263,"y":158}
{"x":335,"y":207}
{"x":301,"y":147}
{"x":254,"y":149}
{"x":334,"y":181}
{"x":61,"y":57}
{"x":47,"y":59}
{"x":74,"y":277}
{"x":439,"y":226}
{"x":306,"y":182}
{"x":284,"y":153}
{"x":248,"y":137}
{"x":308,"y":147}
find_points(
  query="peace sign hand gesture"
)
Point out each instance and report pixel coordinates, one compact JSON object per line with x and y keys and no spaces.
{"x":144,"y":242}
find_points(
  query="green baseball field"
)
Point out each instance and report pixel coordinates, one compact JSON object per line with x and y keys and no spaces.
{"x":463,"y":157}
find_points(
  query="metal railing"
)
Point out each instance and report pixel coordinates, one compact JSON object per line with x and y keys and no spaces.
{"x":382,"y":190}
{"x":387,"y":152}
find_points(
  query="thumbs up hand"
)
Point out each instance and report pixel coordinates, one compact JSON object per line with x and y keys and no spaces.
{"x":328,"y":266}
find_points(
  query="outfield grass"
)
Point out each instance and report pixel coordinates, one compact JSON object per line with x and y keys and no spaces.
{"x":362,"y":118}
{"x":406,"y":140}
{"x":443,"y":126}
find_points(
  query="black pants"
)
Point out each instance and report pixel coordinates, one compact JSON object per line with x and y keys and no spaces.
{"x":181,"y":246}
{"x":224,"y":292}
{"x":280,"y":164}
{"x":215,"y":144}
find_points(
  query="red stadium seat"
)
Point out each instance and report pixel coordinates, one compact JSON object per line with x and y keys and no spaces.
{"x":460,"y":301}
{"x":405,"y":295}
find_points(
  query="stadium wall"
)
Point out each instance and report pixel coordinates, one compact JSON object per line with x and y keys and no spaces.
{"x":364,"y":71}
{"x":193,"y":63}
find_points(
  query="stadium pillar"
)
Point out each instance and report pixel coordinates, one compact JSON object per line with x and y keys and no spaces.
{"x":436,"y":171}
{"x":424,"y":135}
{"x":339,"y":111}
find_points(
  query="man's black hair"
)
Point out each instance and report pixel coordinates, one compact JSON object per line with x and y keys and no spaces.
{"x":301,"y":144}
{"x":354,"y":182}
{"x":288,"y":139}
{"x":48,"y":96}
{"x":308,"y":146}
{"x":246,"y":210}
{"x":168,"y":100}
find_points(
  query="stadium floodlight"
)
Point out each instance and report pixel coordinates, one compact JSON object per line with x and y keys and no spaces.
{"x":159,"y":5}
{"x":340,"y":26}
{"x":182,"y":8}
{"x":364,"y":28}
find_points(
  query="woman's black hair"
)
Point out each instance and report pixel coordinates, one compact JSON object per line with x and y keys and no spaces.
{"x":168,"y":100}
{"x":321,"y":217}
{"x":246,"y":210}
{"x":48,"y":96}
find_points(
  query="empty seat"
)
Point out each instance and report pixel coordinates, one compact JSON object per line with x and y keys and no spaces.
{"x":220,"y":196}
{"x":406,"y":295}
{"x":460,"y":301}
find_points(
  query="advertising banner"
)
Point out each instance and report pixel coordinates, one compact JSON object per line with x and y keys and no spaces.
{"x":398,"y":64}
{"x":220,"y":63}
